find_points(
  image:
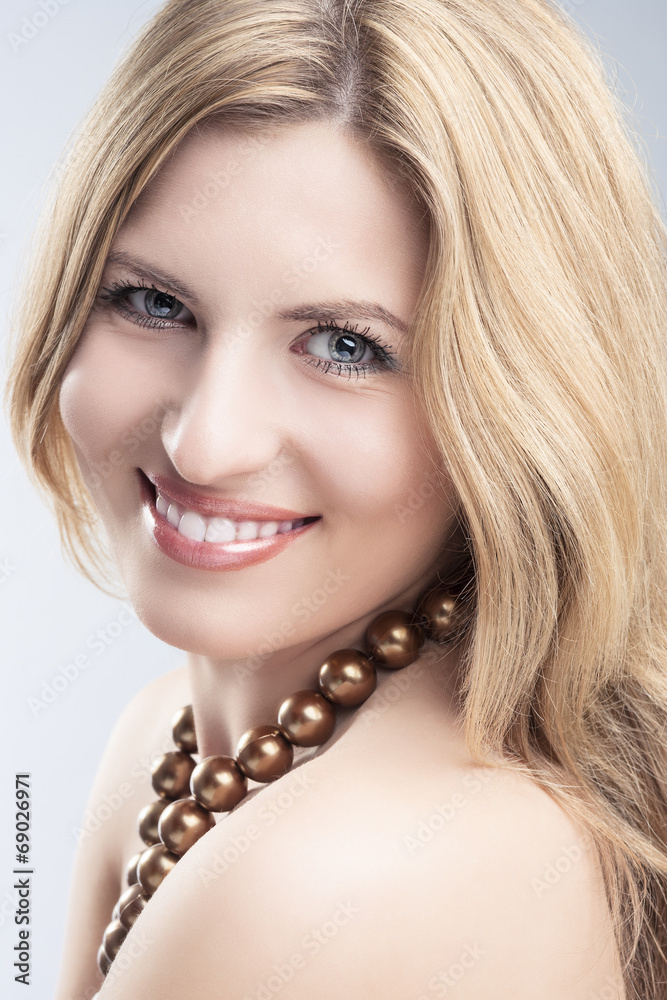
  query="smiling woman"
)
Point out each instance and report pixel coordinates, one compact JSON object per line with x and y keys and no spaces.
{"x":382,"y":286}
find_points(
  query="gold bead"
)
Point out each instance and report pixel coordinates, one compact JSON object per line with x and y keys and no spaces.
{"x":441,"y":611}
{"x":103,"y":963}
{"x":347,"y":677}
{"x":218,"y":783}
{"x":394,"y":640}
{"x":147,"y":821}
{"x":182,"y":824}
{"x":114,"y":935}
{"x":264,"y":753}
{"x":154,"y":866}
{"x":183,"y":730}
{"x":307,"y":718}
{"x":131,"y":871}
{"x":130,"y":905}
{"x":171,"y":774}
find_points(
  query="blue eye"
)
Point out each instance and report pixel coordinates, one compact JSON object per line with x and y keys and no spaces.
{"x":342,"y":346}
{"x":148,"y":307}
{"x":346,"y":351}
{"x":157,"y":304}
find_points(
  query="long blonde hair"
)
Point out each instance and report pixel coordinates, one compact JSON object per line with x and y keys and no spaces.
{"x":537,"y":346}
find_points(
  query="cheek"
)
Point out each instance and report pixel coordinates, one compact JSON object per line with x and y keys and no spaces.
{"x":385,"y":468}
{"x":104,"y":409}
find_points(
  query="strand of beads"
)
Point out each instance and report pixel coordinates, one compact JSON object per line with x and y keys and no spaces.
{"x":189,"y":792}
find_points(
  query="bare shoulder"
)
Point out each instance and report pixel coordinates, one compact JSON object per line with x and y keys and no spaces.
{"x":107,"y":835}
{"x":390,"y":866}
{"x":142,"y":732}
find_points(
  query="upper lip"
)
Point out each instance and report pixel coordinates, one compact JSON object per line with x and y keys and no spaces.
{"x":227,"y":507}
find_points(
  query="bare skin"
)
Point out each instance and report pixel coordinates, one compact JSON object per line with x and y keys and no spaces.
{"x":387,"y":863}
{"x":381,"y":868}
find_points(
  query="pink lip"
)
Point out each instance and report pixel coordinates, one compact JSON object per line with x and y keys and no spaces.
{"x":207,"y":555}
{"x":235,"y":510}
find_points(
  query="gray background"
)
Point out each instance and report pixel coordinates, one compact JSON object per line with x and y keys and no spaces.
{"x":48,"y":613}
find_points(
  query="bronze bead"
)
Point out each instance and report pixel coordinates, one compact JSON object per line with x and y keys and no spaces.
{"x":441,"y":611}
{"x":148,"y":819}
{"x":171,"y":774}
{"x":155,"y":864}
{"x":130,"y":905}
{"x":182,"y":824}
{"x":103,"y":963}
{"x":394,"y":640}
{"x":218,"y":783}
{"x":347,"y":677}
{"x":114,"y":936}
{"x":307,"y":718}
{"x":264,"y":753}
{"x":131,"y":871}
{"x":183,"y":730}
{"x":115,"y":913}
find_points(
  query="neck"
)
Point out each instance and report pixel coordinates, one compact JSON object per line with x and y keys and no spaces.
{"x":231,"y":696}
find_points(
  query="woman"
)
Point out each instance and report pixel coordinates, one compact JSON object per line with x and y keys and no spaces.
{"x":387,"y":284}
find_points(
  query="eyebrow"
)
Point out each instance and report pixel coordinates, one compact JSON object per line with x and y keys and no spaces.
{"x":339,"y":307}
{"x":332,"y":310}
{"x":151,"y":274}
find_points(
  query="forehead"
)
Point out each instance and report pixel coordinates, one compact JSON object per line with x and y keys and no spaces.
{"x":309,"y":172}
{"x":239,"y":213}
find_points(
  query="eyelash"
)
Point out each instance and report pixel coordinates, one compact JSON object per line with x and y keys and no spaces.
{"x":117,"y":294}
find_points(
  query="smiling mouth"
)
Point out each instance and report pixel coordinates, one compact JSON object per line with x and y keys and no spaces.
{"x":198,"y":527}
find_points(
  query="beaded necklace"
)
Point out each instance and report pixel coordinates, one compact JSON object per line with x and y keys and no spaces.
{"x":190,"y":792}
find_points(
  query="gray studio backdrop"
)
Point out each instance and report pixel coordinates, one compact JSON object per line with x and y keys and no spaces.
{"x":56,"y":716}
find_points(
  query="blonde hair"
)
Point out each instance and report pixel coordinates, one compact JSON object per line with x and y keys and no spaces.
{"x":537,"y":347}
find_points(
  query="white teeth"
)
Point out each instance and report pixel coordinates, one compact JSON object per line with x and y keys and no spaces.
{"x":220,"y":530}
{"x":174,"y":515}
{"x":192,"y":526}
{"x":267,"y":528}
{"x":246,"y":531}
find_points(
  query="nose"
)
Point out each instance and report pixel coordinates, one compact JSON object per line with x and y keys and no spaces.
{"x":227,"y":418}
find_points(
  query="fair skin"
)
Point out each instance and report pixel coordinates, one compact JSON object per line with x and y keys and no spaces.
{"x":387,"y":863}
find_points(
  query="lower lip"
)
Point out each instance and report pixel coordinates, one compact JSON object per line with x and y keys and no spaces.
{"x":211,"y":555}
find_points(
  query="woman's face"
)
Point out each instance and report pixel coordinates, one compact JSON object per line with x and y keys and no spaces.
{"x":244,"y":354}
